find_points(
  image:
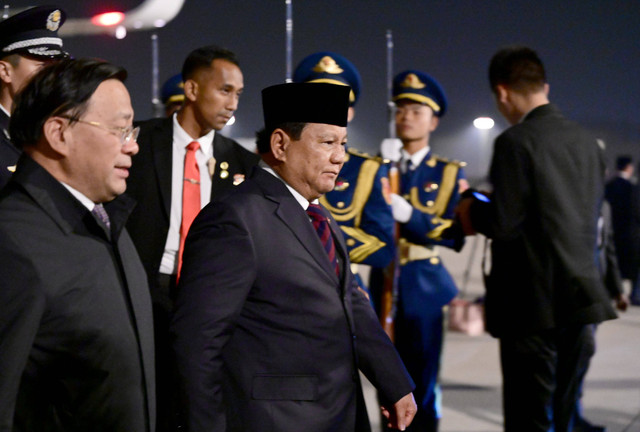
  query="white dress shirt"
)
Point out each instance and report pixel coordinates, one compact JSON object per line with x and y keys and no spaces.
{"x":181,"y":139}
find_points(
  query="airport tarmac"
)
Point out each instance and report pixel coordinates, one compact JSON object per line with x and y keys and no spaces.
{"x":471,"y":379}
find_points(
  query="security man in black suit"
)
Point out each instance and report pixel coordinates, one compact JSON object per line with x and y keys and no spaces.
{"x":213,"y":83}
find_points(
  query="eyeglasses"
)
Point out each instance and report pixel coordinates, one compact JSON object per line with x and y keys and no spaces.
{"x":126,"y":134}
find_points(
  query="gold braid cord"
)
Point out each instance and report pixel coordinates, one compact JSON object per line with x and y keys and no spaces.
{"x":447,"y":187}
{"x":370,"y":244}
{"x":364,"y":185}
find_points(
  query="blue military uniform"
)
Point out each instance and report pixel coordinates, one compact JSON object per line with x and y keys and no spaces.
{"x":360,"y":201}
{"x":432,"y":188}
{"x":425,"y":285}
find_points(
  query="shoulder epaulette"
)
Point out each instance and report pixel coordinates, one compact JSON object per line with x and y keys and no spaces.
{"x":364,"y":155}
{"x":448,"y":161}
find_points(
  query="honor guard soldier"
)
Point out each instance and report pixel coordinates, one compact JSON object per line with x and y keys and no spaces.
{"x":360,"y":201}
{"x":28,"y":41}
{"x":172,"y":94}
{"x":430,"y":188}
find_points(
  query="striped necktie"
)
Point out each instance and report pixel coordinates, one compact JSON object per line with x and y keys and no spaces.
{"x":101,"y":214}
{"x":320,"y":222}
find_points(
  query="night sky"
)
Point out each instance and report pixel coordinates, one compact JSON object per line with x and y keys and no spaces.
{"x":591,"y":50}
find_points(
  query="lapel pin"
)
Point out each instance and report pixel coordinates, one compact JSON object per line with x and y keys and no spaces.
{"x":211,"y":164}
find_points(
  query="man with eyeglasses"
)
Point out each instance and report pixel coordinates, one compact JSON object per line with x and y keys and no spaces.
{"x":76,"y":333}
{"x":28,"y":41}
{"x":183,"y":163}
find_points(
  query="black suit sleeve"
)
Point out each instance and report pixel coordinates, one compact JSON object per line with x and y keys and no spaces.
{"x":612,"y":278}
{"x":377,"y":357}
{"x":218,"y":272}
{"x":510,"y":174}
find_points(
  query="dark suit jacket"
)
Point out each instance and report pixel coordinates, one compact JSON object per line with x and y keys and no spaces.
{"x":548,"y":180}
{"x":76,"y":338}
{"x":150,"y":184}
{"x":267,"y":337}
{"x":619,"y":193}
{"x":9,"y":154}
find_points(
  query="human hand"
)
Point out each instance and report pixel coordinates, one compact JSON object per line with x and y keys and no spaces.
{"x":622,"y":302}
{"x":402,"y":413}
{"x":463,"y":215}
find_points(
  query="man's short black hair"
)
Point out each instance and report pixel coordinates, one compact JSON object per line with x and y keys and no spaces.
{"x":623,"y":161}
{"x":518,"y":67}
{"x":61,"y":88}
{"x":263,"y":137}
{"x":202,"y":58}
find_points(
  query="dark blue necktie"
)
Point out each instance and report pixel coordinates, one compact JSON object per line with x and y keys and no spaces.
{"x":320,"y":222}
{"x":407,"y":175}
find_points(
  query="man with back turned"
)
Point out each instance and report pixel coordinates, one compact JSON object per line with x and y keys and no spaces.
{"x":544,"y":290}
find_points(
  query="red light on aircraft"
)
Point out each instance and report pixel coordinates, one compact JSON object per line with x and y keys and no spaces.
{"x":108,"y":19}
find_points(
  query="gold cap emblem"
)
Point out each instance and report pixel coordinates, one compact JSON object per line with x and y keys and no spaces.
{"x":412,"y":81}
{"x":53,"y":20}
{"x":328,"y":65}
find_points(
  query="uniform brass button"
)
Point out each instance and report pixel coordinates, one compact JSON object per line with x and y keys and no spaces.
{"x":434,"y":260}
{"x":224,"y":165}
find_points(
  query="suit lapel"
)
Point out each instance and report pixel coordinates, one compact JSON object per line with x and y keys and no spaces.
{"x":341,"y":247}
{"x":222,"y":152}
{"x":295,"y":219}
{"x":162,"y":159}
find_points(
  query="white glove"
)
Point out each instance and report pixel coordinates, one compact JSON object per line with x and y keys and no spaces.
{"x":390,"y":149}
{"x":400,"y":208}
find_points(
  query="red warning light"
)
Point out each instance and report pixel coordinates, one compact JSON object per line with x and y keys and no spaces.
{"x":108,"y":19}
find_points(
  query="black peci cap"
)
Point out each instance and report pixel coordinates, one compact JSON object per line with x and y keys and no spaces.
{"x":305,"y":103}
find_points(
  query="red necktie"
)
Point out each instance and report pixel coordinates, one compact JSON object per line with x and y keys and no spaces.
{"x":320,"y":222}
{"x":190,"y":196}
